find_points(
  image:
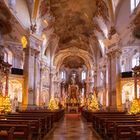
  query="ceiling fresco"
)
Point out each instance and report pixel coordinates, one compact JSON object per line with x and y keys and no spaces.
{"x":73,"y":62}
{"x":74,"y":21}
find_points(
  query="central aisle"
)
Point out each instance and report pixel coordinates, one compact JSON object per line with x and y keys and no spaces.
{"x":72,"y":128}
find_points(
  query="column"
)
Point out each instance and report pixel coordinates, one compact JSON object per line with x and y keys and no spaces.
{"x":30,"y":74}
{"x":91,"y":82}
{"x":95,"y":79}
{"x":51,"y":94}
{"x":7,"y":83}
{"x":87,"y":85}
{"x":50,"y":75}
{"x":54,"y":85}
{"x":135,"y":84}
{"x":1,"y":68}
{"x":104,"y":86}
{"x":36,"y":78}
{"x":114,"y":80}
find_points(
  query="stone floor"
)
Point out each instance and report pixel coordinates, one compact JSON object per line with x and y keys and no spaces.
{"x":72,"y":128}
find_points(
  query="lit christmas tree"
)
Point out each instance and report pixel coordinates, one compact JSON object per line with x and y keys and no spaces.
{"x":93,"y":105}
{"x":82,"y":102}
{"x":7,"y":104}
{"x":53,"y":104}
{"x":135,"y":108}
{"x":1,"y":103}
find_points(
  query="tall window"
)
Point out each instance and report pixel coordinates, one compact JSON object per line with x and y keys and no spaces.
{"x":63,"y":75}
{"x":122,"y":66}
{"x":8,"y":56}
{"x":135,"y":61}
{"x":5,"y":56}
{"x":134,"y":4}
{"x":83,"y":75}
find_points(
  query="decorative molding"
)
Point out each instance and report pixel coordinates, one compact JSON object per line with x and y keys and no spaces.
{"x":110,"y":43}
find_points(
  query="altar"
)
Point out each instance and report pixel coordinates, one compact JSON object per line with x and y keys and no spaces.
{"x":73,"y":100}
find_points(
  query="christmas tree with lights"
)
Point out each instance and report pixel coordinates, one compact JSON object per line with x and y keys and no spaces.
{"x":93,"y":105}
{"x":135,"y":108}
{"x":7,"y":105}
{"x":53,"y":104}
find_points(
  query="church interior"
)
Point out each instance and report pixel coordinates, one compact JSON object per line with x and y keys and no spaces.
{"x":69,"y":69}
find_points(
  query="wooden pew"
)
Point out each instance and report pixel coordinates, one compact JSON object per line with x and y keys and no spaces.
{"x":102,"y":121}
{"x":45,"y":120}
{"x":57,"y":114}
{"x":97,"y":118}
{"x":88,"y":115}
{"x":109,"y":129}
{"x":105,"y":123}
{"x":7,"y":134}
{"x":126,"y":132}
{"x":136,"y":132}
{"x":21,"y":131}
{"x":34,"y":125}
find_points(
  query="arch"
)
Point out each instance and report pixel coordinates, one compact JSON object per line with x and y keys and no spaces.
{"x":15,"y":89}
{"x":59,"y":57}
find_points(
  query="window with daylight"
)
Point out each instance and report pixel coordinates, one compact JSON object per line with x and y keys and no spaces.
{"x":122,"y":66}
{"x":5,"y":56}
{"x":134,"y":4}
{"x":83,"y":75}
{"x":63,"y":75}
{"x":8,"y":56}
{"x":135,"y":61}
{"x":138,"y":91}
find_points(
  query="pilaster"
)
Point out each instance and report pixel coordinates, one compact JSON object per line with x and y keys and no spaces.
{"x":114,"y":79}
{"x":104,"y":86}
{"x":31,"y":73}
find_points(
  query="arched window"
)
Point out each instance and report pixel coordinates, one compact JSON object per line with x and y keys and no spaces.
{"x":83,"y":76}
{"x":5,"y":56}
{"x":134,"y":4}
{"x":8,"y":56}
{"x":135,"y":61}
{"x":63,"y":75}
{"x":122,"y":66}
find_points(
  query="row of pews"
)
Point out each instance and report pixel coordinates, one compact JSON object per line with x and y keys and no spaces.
{"x":114,"y":125}
{"x":28,"y":125}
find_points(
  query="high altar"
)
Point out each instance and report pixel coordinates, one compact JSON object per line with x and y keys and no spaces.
{"x":73,"y":98}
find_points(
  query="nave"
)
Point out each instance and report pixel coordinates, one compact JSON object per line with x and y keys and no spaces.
{"x":65,"y":56}
{"x":73,"y":127}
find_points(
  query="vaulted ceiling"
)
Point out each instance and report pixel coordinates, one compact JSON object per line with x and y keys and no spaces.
{"x":75,"y":23}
